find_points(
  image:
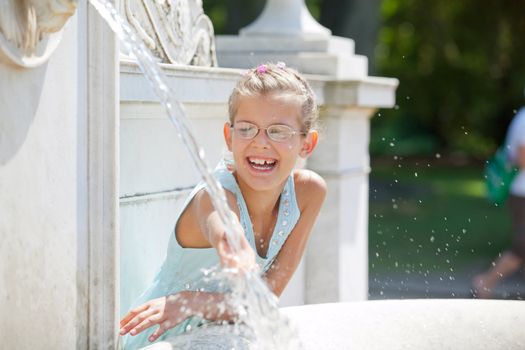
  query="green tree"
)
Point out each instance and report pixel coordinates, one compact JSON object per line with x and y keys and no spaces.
{"x":461,"y":71}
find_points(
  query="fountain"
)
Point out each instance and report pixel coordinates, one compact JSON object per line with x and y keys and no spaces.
{"x":59,"y":176}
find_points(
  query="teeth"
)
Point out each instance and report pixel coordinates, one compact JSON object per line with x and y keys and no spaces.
{"x":259,"y":161}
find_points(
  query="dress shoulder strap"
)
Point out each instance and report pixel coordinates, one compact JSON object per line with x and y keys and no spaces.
{"x":287,"y":218}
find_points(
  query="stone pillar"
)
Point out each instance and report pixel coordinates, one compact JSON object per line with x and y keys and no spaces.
{"x":102,"y":96}
{"x":58,"y":179}
{"x":335,"y":267}
{"x":43,"y":181}
{"x":337,"y":258}
{"x":337,"y":255}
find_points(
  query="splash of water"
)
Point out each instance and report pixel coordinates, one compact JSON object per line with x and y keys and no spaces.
{"x":261,"y":326}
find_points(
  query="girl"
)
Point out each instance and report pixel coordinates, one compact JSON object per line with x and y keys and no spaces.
{"x":272,"y":123}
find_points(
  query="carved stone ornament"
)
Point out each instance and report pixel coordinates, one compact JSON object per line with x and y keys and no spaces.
{"x":30,"y":30}
{"x":177,"y":31}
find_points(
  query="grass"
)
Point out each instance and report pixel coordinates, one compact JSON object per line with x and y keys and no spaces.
{"x":430,"y":215}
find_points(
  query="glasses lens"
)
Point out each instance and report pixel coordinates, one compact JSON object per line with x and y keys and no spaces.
{"x":245,"y":130}
{"x":280,"y":132}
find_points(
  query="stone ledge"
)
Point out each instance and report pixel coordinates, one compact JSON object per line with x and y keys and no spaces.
{"x":283,"y":44}
{"x":436,"y":324}
{"x":412,"y":324}
{"x":213,"y":85}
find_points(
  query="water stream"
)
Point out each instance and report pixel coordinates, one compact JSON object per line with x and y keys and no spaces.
{"x":263,"y":327}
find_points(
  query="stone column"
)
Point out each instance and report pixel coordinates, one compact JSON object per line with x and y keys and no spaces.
{"x":335,"y":267}
{"x":58,"y":179}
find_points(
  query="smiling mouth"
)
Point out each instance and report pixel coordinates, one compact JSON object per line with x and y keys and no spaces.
{"x":262,"y":164}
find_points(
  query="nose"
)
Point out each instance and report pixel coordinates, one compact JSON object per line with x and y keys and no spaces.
{"x":261,"y":138}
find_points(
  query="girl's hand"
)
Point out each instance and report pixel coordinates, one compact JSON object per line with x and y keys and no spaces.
{"x":244,"y":259}
{"x":166,"y":311}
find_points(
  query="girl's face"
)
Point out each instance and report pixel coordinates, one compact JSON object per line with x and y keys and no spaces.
{"x":262,"y":163}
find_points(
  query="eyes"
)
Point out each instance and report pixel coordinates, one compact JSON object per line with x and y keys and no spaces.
{"x":276,"y":132}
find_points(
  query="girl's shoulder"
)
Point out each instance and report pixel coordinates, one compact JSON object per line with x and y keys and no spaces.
{"x":310,"y":187}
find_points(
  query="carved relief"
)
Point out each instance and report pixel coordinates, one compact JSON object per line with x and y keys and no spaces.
{"x":29,"y":29}
{"x":177,"y":31}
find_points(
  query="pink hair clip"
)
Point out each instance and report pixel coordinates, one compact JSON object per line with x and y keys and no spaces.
{"x":281,"y":65}
{"x":262,"y":69}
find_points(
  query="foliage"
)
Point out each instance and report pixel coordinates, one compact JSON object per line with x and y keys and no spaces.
{"x":461,"y":71}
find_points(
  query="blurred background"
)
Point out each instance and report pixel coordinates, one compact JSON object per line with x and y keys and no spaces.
{"x":462,"y":76}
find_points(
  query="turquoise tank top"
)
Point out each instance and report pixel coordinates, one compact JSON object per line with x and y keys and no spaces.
{"x":183,"y":268}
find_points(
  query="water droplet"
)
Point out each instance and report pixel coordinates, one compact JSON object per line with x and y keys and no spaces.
{"x":415,"y":174}
{"x":438,"y":155}
{"x":432,"y":239}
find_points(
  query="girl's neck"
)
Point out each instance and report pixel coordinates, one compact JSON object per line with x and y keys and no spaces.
{"x":260,"y":202}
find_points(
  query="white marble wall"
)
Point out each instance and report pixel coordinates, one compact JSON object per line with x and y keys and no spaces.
{"x":43,"y":200}
{"x":58,"y":204}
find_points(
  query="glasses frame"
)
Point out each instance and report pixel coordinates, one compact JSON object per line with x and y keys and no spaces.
{"x":292,"y":130}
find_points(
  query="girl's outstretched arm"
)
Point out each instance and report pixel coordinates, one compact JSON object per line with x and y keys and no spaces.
{"x":310,"y":190}
{"x":170,"y":310}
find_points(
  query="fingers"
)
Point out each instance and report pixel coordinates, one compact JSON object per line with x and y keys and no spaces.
{"x":148,"y":322}
{"x":160,"y":331}
{"x":140,"y":322}
{"x":130,"y":315}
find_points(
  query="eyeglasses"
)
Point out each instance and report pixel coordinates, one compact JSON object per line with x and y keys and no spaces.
{"x":276,"y":132}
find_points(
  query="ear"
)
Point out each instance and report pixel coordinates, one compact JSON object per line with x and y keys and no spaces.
{"x":227,"y":135}
{"x":309,"y":143}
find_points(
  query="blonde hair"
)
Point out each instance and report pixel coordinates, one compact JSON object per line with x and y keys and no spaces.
{"x":270,"y":78}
